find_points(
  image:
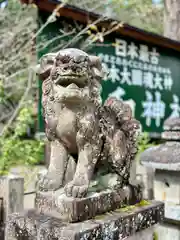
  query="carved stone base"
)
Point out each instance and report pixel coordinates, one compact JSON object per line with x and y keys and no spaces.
{"x":56,"y":204}
{"x":115,"y":225}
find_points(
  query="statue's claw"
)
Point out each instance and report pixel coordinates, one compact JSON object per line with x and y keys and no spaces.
{"x":74,"y":190}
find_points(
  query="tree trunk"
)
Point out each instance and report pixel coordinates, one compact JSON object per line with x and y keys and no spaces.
{"x":172,"y":19}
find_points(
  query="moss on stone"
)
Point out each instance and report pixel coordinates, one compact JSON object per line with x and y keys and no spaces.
{"x":155,"y":236}
{"x":99,"y":217}
{"x":125,"y":208}
{"x":129,"y":208}
{"x":143,"y":203}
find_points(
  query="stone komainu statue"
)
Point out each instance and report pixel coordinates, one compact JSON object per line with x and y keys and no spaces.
{"x":96,"y":137}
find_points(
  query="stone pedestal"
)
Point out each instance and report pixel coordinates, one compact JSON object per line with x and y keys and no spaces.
{"x":56,"y":204}
{"x":114,"y":225}
{"x":107,"y":215}
{"x":103,"y":214}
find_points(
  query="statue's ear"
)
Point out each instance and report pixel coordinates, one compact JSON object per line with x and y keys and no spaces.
{"x":96,"y":65}
{"x":45,"y":65}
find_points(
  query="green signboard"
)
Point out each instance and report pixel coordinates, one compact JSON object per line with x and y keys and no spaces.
{"x":144,"y":75}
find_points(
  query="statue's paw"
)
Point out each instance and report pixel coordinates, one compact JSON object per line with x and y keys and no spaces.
{"x":74,"y":190}
{"x":48,"y":184}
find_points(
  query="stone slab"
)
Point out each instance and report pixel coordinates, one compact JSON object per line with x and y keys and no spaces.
{"x":171,"y":135}
{"x":167,"y":187}
{"x":116,"y":225}
{"x":12,"y":194}
{"x":164,"y":156}
{"x":172,"y":212}
{"x":56,"y":203}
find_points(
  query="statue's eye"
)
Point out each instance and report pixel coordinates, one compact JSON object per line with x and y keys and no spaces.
{"x":77,"y":59}
{"x":64,"y":58}
{"x":80,"y":59}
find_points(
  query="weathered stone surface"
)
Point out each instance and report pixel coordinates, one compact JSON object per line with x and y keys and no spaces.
{"x":167,"y":231}
{"x":167,"y":186}
{"x":164,"y":156}
{"x":172,"y":124}
{"x":12,"y":192}
{"x":172,"y":212}
{"x":172,"y":129}
{"x":167,"y":189}
{"x":147,"y":234}
{"x":78,"y":126}
{"x":115,"y":225}
{"x":165,"y":159}
{"x":58,"y":205}
{"x":171,"y":135}
{"x":11,"y":199}
{"x":145,"y":175}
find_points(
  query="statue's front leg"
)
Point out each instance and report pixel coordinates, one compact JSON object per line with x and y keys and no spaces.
{"x":85,"y":168}
{"x":53,"y":180}
{"x":89,"y":146}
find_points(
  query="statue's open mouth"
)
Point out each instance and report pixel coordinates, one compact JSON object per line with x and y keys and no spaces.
{"x":65,"y":80}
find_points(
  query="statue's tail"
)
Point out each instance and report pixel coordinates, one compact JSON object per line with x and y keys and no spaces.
{"x":129,"y":128}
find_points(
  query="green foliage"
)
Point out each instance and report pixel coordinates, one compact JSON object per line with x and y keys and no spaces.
{"x":140,"y":13}
{"x":144,"y":142}
{"x":155,"y":236}
{"x":17,"y":151}
{"x":142,"y":203}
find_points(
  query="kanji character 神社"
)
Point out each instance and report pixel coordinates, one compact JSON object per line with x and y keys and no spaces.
{"x":148,"y":108}
{"x":175,"y":107}
{"x":158,"y":109}
{"x":153,"y":109}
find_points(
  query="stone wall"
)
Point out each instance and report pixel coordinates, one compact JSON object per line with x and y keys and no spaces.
{"x":167,"y":186}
